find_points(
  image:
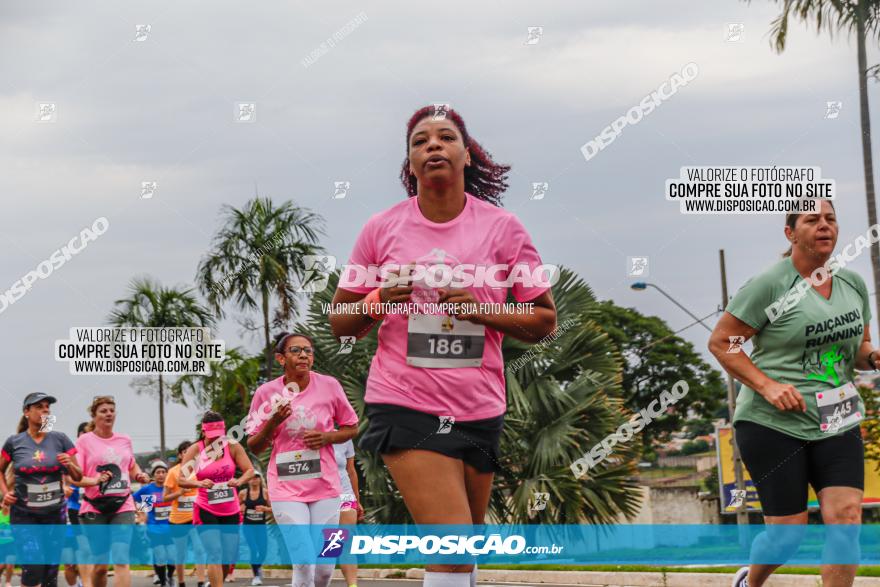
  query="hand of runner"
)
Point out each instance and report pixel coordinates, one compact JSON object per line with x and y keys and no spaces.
{"x":315,"y":439}
{"x":784,"y":396}
{"x":234,"y":483}
{"x":104,"y":477}
{"x":360,"y":510}
{"x":280,"y":415}
{"x":461,"y":296}
{"x":142,"y":477}
{"x":206,"y":483}
{"x":65,"y":459}
{"x":262,"y":508}
{"x":9,"y":499}
{"x":400,"y":293}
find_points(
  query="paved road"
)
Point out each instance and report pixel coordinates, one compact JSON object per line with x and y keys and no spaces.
{"x":190,"y":581}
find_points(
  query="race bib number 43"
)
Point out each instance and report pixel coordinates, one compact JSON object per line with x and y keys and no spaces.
{"x":162,"y":512}
{"x":838,"y":408}
{"x":437,"y":341}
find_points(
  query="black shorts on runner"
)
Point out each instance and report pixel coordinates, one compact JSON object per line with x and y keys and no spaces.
{"x":781,"y":465}
{"x":395,"y":427}
{"x":207,"y":518}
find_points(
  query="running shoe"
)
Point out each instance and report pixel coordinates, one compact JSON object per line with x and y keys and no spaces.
{"x":741,"y":578}
{"x":256,"y":581}
{"x":156,"y":580}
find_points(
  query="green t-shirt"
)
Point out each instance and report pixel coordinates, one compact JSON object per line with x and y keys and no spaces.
{"x":812,"y":345}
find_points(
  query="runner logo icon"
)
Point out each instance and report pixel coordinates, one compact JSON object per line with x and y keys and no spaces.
{"x":146,"y":504}
{"x":47,"y":422}
{"x":736,"y":343}
{"x":737,"y":496}
{"x":317,"y":272}
{"x":446,"y":423}
{"x":346,"y":344}
{"x":539,"y":501}
{"x":334,"y":542}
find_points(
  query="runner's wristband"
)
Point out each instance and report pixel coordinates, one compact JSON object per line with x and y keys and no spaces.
{"x":373,"y":303}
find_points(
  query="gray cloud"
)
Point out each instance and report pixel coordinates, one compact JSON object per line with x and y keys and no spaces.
{"x":162,"y":110}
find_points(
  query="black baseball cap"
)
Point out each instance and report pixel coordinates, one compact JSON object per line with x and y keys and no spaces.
{"x":37,"y":397}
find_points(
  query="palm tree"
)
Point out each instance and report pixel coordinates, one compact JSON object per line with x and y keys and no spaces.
{"x":564,"y":399}
{"x":861,"y":17}
{"x":257,"y":254}
{"x":150,"y":305}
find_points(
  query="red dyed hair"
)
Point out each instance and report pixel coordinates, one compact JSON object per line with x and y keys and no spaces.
{"x":483,"y":179}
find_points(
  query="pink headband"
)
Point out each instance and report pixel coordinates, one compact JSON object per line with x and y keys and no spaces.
{"x":214,"y":429}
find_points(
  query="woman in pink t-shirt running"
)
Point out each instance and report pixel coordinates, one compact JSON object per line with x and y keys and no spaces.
{"x":214,"y":459}
{"x":109,"y":467}
{"x":435,"y":396}
{"x":304,"y":486}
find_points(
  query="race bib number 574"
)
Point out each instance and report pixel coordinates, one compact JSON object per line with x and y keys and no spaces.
{"x":297,"y":465}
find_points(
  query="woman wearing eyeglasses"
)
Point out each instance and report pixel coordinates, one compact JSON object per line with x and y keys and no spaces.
{"x":108,"y":465}
{"x":310,"y":414}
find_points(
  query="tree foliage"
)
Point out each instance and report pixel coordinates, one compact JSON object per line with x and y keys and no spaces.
{"x":654,"y":360}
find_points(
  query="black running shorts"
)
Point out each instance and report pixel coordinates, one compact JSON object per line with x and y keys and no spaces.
{"x":395,"y":427}
{"x":781,"y":466}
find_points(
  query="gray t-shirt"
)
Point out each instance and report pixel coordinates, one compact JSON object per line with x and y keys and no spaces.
{"x":344,"y":452}
{"x":37,"y":470}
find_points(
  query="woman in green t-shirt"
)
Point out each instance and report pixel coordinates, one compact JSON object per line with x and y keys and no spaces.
{"x":798,"y":412}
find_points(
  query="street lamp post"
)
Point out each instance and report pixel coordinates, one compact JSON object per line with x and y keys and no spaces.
{"x":741,"y":512}
{"x":641,"y":285}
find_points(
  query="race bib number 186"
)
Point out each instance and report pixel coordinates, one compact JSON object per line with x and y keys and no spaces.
{"x":437,"y":341}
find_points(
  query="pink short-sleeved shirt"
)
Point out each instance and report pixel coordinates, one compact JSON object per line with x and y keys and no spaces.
{"x":482,"y":235}
{"x":322,"y":406}
{"x":114,"y":454}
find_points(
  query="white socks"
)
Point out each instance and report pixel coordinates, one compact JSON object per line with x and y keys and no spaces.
{"x":447,"y":579}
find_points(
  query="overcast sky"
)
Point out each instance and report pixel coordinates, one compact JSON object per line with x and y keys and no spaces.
{"x":162,"y":109}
